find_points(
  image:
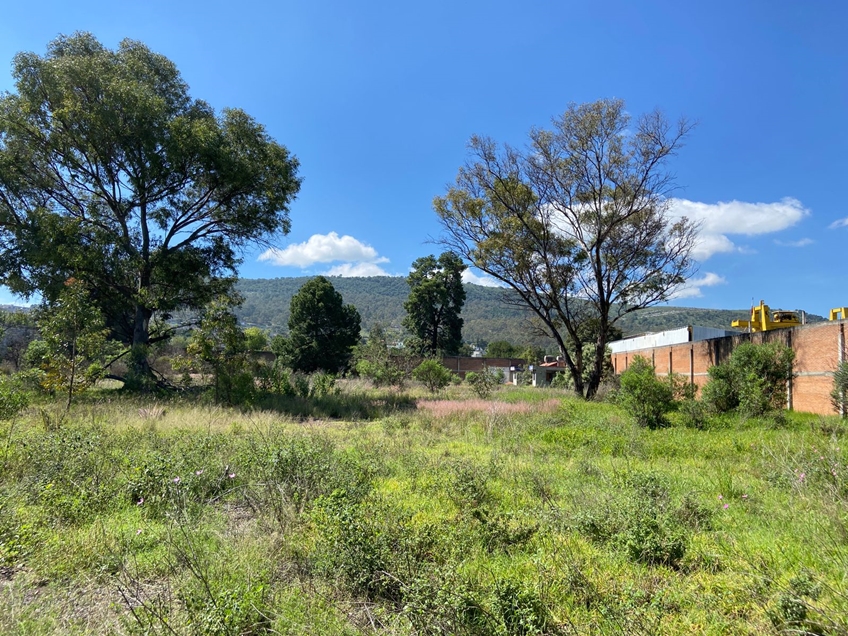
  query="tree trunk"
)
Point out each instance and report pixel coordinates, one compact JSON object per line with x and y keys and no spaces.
{"x":140,"y":376}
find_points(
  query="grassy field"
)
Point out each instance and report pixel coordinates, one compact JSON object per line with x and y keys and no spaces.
{"x":529,"y":513}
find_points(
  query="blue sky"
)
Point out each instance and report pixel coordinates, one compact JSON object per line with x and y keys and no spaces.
{"x":378,"y":101}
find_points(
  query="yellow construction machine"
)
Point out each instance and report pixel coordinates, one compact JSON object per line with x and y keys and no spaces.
{"x":764,"y":319}
{"x":835,"y":313}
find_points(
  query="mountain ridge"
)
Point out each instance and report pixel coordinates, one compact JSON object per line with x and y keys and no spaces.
{"x":380,"y":299}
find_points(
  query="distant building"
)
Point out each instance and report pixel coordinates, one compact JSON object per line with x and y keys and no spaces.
{"x":670,"y":337}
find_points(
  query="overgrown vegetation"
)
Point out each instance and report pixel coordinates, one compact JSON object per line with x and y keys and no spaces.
{"x":484,"y":382}
{"x":646,"y":397}
{"x":527,"y":513}
{"x":432,"y":374}
{"x":839,"y":394}
{"x":752,"y":380}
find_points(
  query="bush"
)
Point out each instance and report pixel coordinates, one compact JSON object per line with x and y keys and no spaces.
{"x":352,"y":548}
{"x":840,"y":387}
{"x":376,"y":361}
{"x":483,"y":383}
{"x":562,"y":380}
{"x":12,"y":399}
{"x":301,"y":469}
{"x":719,"y":394}
{"x":642,"y":522}
{"x":752,"y":380}
{"x":644,"y":395}
{"x":519,"y":610}
{"x":432,"y":374}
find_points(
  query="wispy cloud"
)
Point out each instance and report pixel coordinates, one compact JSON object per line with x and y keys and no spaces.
{"x":720,"y":220}
{"x":692,"y":287}
{"x":486,"y":281}
{"x":355,"y":257}
{"x":804,"y":242}
{"x":323,"y":248}
{"x":839,"y":223}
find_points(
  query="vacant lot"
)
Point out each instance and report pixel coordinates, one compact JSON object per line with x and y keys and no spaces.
{"x":531,"y":513}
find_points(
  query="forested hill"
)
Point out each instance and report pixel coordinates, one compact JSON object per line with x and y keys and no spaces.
{"x":487,"y":317}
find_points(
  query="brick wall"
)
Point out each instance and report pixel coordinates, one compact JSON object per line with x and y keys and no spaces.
{"x":816,"y":349}
{"x":463,"y":364}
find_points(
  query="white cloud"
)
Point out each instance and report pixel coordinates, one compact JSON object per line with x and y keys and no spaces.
{"x":323,"y":248}
{"x":349,"y":270}
{"x":839,"y":223}
{"x":486,"y":281}
{"x":718,"y":220}
{"x":804,"y":242}
{"x":692,"y":287}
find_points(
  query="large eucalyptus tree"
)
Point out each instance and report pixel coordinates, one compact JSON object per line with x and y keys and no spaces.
{"x":111,"y":173}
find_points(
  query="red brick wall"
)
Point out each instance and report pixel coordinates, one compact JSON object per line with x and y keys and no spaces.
{"x":816,"y":357}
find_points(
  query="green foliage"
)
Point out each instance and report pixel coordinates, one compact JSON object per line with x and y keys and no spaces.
{"x":484,"y":383}
{"x":839,"y":394}
{"x":503,"y":349}
{"x":645,"y":396}
{"x":719,"y":394}
{"x":693,"y":413}
{"x":753,"y":379}
{"x":322,"y":330}
{"x":74,"y":336}
{"x":219,"y":608}
{"x":375,"y":360}
{"x":299,"y":470}
{"x":152,"y":194}
{"x":562,"y":380}
{"x":432,"y":374}
{"x":519,"y":610}
{"x":436,"y":296}
{"x":219,"y":346}
{"x":13,"y":399}
{"x":643,"y":523}
{"x":352,"y":549}
{"x":256,"y":339}
{"x":553,"y":521}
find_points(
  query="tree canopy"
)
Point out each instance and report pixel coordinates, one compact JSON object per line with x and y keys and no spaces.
{"x":322,"y":329}
{"x":436,"y":296}
{"x":577,"y":225}
{"x":111,"y":173}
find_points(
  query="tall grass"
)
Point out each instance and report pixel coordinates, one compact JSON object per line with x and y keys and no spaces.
{"x":531,"y":513}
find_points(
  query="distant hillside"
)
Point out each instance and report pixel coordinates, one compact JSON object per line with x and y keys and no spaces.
{"x":487,"y":317}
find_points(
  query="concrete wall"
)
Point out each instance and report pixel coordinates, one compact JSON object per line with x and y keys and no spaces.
{"x":818,"y":350}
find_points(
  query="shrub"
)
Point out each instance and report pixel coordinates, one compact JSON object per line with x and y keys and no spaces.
{"x":432,"y":374}
{"x":641,"y":521}
{"x":719,"y":394}
{"x":376,"y":361}
{"x":519,"y":610}
{"x":442,"y":602}
{"x":12,"y":399}
{"x":644,"y":395}
{"x":483,"y":383}
{"x":840,"y":388}
{"x":301,"y":469}
{"x":562,"y":380}
{"x":753,"y":379}
{"x":693,"y":414}
{"x":352,"y":548}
